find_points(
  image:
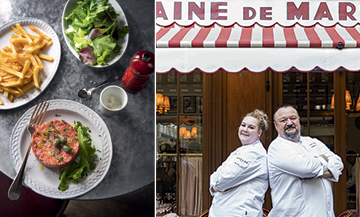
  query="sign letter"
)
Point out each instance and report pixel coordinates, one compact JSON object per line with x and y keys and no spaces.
{"x":198,"y":11}
{"x":302,"y":11}
{"x":215,"y":11}
{"x":323,"y":11}
{"x":177,"y":10}
{"x":343,"y":10}
{"x":247,"y":11}
{"x":264,"y":12}
{"x":160,"y":12}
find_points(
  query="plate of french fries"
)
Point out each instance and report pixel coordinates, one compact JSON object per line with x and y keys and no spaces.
{"x":29,"y":58}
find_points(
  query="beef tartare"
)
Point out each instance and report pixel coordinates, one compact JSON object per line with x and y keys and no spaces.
{"x":55,"y":144}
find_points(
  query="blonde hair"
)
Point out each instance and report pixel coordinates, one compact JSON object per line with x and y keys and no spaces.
{"x":261,"y":117}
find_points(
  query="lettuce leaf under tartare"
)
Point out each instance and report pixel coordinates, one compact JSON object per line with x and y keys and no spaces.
{"x":85,"y":162}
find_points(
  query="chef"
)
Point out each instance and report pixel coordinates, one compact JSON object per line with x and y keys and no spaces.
{"x":300,"y":170}
{"x":240,"y":183}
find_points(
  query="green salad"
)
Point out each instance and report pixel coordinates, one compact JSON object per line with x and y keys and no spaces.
{"x":94,"y":31}
{"x":84,"y":163}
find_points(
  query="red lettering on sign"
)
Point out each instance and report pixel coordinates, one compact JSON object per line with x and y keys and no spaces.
{"x":264,"y":13}
{"x":198,"y":11}
{"x":302,"y":11}
{"x":177,"y":10}
{"x":323,"y":12}
{"x":246,"y":13}
{"x":215,"y":10}
{"x":343,"y":14}
{"x":160,"y":12}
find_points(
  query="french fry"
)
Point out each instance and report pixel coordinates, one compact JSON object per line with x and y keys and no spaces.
{"x":47,"y":45}
{"x":16,"y":59}
{"x":38,"y":61}
{"x":7,"y":49}
{"x":9,"y":78}
{"x":32,"y":59}
{"x":10,"y":90}
{"x":47,"y":38}
{"x":6,"y":55}
{"x":6,"y":94}
{"x":19,"y":40}
{"x":15,"y":30}
{"x":11,"y":98}
{"x":11,"y":71}
{"x":46,"y":57}
{"x":37,"y":40}
{"x":36,"y":77}
{"x":25,"y":89}
{"x":17,"y":83}
{"x":26,"y":67}
{"x":35,"y":48}
{"x":23,"y":33}
{"x":19,"y":89}
{"x":1,"y":102}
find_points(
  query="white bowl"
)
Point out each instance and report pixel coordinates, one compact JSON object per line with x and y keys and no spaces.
{"x":71,"y":5}
{"x":112,"y":100}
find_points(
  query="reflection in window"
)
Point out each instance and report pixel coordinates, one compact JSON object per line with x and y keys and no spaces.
{"x":179,"y":169}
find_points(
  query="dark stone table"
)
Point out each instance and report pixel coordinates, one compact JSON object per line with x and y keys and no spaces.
{"x":132,"y":131}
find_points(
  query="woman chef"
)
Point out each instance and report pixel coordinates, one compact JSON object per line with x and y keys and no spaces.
{"x":238,"y":186}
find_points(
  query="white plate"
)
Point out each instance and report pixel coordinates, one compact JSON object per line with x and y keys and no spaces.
{"x":46,"y":182}
{"x":71,"y":5}
{"x":50,"y":68}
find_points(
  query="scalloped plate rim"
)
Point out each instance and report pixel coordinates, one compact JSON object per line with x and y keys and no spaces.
{"x":102,"y":166}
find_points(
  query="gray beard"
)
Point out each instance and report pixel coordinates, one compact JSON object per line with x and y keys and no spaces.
{"x":292,"y":135}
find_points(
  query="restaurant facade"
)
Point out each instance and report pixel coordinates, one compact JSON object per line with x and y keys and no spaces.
{"x":218,"y":60}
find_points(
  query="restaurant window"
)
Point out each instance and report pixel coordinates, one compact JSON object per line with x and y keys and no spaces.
{"x":352,"y":135}
{"x":315,"y":109}
{"x":179,"y":123}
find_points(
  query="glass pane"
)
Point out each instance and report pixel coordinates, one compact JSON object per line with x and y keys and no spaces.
{"x":190,"y":140}
{"x":190,"y":135}
{"x":166,"y":140}
{"x":353,"y":136}
{"x":321,"y":113}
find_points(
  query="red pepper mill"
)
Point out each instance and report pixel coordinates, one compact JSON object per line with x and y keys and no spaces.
{"x":137,"y":75}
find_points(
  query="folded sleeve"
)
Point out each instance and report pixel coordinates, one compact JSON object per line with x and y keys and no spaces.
{"x":290,"y":160}
{"x":334,"y":164}
{"x":238,"y":169}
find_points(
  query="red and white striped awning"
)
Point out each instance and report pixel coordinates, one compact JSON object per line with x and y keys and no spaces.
{"x":314,"y":37}
{"x":256,"y":48}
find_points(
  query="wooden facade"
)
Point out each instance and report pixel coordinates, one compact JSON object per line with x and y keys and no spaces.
{"x":228,"y":97}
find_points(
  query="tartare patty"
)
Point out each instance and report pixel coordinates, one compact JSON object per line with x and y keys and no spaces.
{"x":55,"y":144}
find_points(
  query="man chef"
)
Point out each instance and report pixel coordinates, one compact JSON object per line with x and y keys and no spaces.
{"x":301,"y":169}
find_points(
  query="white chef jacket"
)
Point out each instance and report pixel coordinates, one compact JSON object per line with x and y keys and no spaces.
{"x":290,"y":162}
{"x":242,"y":180}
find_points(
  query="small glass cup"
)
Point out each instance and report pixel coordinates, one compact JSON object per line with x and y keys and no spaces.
{"x":112,"y":100}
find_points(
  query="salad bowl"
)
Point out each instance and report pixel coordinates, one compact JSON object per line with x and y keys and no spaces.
{"x":71,"y":5}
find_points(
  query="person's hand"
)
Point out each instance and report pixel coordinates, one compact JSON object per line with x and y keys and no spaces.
{"x":216,"y":189}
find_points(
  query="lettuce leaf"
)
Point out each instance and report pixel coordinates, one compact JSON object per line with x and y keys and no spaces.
{"x":85,"y":162}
